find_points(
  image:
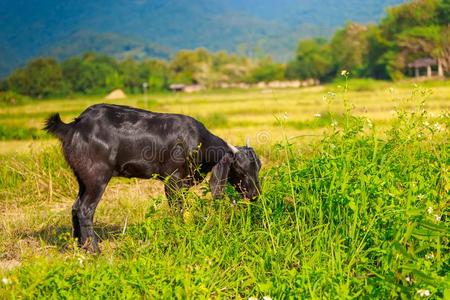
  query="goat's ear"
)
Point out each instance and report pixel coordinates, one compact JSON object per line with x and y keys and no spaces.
{"x":219,"y":176}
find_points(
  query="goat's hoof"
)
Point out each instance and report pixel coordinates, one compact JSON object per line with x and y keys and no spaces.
{"x":91,"y":247}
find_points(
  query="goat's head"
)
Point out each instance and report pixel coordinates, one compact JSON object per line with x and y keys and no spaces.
{"x":244,"y":173}
{"x":240,"y":169}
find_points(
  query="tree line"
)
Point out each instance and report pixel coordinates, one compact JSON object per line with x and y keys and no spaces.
{"x":409,"y":31}
{"x":94,"y":73}
{"x":416,"y":29}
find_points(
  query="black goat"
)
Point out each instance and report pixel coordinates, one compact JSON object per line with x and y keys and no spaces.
{"x":112,"y":140}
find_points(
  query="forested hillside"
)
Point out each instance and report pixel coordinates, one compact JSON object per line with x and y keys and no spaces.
{"x":158,"y":28}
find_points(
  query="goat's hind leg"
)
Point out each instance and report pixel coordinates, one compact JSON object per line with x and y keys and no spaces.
{"x":95,"y":186}
{"x":75,"y":208}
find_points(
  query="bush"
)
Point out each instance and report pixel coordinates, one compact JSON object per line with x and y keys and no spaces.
{"x":20,"y":133}
{"x":40,"y":78}
{"x":11,"y":98}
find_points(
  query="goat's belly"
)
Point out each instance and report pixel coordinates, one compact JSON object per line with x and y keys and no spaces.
{"x":137,"y":169}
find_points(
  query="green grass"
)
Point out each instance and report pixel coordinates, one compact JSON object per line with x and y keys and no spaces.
{"x":359,"y":212}
{"x":20,"y":133}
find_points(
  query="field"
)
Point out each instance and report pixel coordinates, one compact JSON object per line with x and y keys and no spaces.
{"x":355,"y":202}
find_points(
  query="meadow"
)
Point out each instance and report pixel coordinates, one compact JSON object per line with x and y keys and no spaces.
{"x":355,"y":202}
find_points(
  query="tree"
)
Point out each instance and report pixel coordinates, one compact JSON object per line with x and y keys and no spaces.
{"x":349,"y":48}
{"x":129,"y":71}
{"x":3,"y":85}
{"x":92,"y":74}
{"x":224,"y":67}
{"x":187,"y":64}
{"x":40,"y":78}
{"x":267,"y":70}
{"x":443,"y":12}
{"x":409,"y":31}
{"x":405,"y":16}
{"x":376,"y":56}
{"x":313,"y":60}
{"x":155,"y":73}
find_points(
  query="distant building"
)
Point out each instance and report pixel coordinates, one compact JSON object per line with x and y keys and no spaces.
{"x":176,"y":87}
{"x":193,"y":88}
{"x":187,"y":88}
{"x":426,"y":67}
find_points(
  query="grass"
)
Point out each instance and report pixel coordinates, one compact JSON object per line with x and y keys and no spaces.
{"x":238,"y":114}
{"x":360,"y":210}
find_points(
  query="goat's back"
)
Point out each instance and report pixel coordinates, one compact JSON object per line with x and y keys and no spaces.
{"x":133,"y":142}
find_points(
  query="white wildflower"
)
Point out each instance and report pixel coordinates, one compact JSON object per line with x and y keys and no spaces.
{"x":344,"y":73}
{"x":324,"y":98}
{"x":420,"y":197}
{"x":317,"y":115}
{"x":426,"y":123}
{"x":437,"y":218}
{"x":267,"y":298}
{"x":253,"y":298}
{"x":208,"y":261}
{"x":424,"y":293}
{"x":408,"y":279}
{"x":285,"y":116}
{"x":429,"y":256}
{"x":437,"y":126}
{"x":6,"y":281}
{"x":430,"y":210}
{"x":334,"y":123}
{"x":80,"y":259}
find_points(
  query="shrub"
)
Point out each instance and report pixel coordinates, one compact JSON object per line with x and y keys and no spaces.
{"x":11,"y":98}
{"x":20,"y":133}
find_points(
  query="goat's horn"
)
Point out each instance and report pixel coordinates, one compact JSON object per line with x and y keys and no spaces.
{"x":233,"y":148}
{"x":248,"y":142}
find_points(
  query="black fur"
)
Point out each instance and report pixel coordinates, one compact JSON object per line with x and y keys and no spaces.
{"x":112,"y":140}
{"x":55,"y":126}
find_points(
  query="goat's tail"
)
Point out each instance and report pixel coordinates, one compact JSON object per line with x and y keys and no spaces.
{"x":55,"y":126}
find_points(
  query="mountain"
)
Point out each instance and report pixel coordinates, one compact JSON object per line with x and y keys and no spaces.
{"x":157,"y":28}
